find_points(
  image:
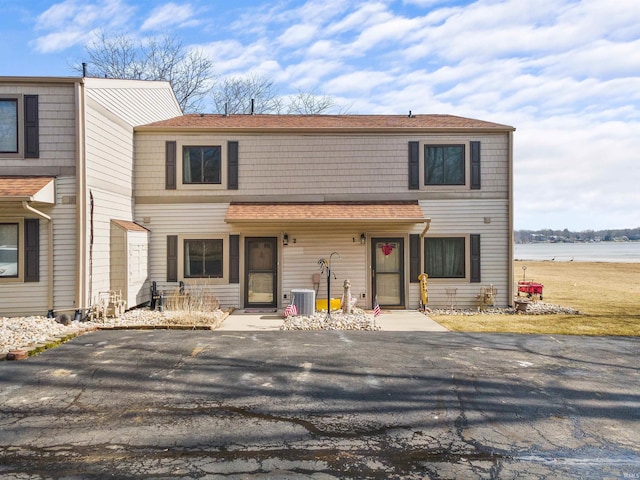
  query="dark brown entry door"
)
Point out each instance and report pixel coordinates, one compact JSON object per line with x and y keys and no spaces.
{"x":261,"y":272}
{"x":387,"y":268}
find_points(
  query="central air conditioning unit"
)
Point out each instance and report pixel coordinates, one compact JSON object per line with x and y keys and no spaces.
{"x":305,"y":300}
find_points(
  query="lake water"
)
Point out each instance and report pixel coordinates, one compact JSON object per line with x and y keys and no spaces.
{"x":623,"y":252}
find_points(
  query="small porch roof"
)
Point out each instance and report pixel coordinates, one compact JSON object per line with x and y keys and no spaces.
{"x":325,"y":212}
{"x":28,"y":189}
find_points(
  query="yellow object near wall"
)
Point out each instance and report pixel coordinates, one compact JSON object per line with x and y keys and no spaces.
{"x":321,"y":304}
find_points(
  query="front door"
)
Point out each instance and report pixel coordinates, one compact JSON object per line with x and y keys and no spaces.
{"x":387,"y":268}
{"x":261,"y":272}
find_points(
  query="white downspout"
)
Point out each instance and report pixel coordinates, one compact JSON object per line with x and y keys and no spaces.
{"x":28,"y":207}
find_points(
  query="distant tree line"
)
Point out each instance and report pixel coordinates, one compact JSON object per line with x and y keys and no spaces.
{"x":566,"y":236}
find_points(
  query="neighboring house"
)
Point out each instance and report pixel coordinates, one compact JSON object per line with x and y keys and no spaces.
{"x":66,"y":190}
{"x":248,"y":205}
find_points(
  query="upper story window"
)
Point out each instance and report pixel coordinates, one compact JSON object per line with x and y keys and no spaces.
{"x":444,"y":165}
{"x":201,"y":164}
{"x":8,"y":125}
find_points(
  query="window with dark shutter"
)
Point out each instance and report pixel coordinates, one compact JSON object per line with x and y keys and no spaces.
{"x":475,"y":165}
{"x":31,"y":127}
{"x":475,"y":257}
{"x":234,"y":258}
{"x":232,"y":165}
{"x":32,"y":250}
{"x":172,"y":258}
{"x":414,"y":257}
{"x":170,"y":166}
{"x":414,"y":165}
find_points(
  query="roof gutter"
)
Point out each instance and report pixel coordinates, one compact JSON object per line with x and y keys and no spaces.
{"x":46,"y":217}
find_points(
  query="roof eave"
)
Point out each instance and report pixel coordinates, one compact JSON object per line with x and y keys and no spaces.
{"x":318,"y":130}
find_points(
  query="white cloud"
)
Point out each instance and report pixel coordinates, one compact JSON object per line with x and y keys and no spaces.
{"x":71,"y":22}
{"x":563,"y":72}
{"x":169,"y":15}
{"x":296,"y":35}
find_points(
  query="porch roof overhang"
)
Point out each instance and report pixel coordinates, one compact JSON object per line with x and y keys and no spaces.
{"x":325,"y":212}
{"x":28,"y":189}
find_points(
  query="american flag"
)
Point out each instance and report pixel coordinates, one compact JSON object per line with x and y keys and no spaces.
{"x":291,"y":310}
{"x":376,"y":308}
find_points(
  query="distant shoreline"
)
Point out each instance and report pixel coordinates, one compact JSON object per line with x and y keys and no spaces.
{"x":610,"y":252}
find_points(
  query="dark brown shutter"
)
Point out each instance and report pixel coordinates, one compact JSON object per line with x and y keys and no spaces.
{"x":414,"y":165}
{"x":31,"y":127}
{"x":232,"y":165}
{"x":172,"y":258}
{"x":475,"y":257}
{"x":475,"y":165}
{"x":170,"y":166}
{"x":414,"y":257}
{"x":32,"y":250}
{"x":234,"y":258}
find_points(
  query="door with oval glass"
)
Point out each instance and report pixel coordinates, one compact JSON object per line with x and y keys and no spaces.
{"x":387,"y":270}
{"x":261,"y":269}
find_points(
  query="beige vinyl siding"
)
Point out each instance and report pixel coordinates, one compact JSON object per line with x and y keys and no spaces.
{"x":318,"y":167}
{"x":461,"y":218}
{"x":186,"y":220}
{"x":22,"y":299}
{"x":300,"y":261}
{"x":31,"y":298}
{"x":64,"y":251}
{"x":57,"y":130}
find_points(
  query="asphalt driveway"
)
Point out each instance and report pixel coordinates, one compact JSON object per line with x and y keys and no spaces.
{"x":322,"y":405}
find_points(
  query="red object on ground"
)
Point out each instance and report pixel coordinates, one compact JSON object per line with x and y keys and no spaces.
{"x":530,"y":288}
{"x":17,"y":355}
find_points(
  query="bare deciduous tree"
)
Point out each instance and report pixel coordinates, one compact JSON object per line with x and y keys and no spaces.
{"x":309,"y":103}
{"x":154,"y":58}
{"x":235,"y":94}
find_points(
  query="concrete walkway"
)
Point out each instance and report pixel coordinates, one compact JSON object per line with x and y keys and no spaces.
{"x":389,"y":321}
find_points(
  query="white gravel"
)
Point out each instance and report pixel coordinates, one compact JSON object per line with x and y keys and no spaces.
{"x":29,"y":332}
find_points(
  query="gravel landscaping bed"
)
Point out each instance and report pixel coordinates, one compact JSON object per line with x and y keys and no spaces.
{"x":39,"y":332}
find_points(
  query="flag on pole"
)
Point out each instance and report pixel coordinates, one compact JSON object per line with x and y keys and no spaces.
{"x":291,"y":310}
{"x":376,"y":308}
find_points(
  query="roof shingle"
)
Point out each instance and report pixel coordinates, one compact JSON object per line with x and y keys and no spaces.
{"x":324,"y":211}
{"x":325,"y":122}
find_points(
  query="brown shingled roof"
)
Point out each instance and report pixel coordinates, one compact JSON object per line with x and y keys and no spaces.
{"x":22,"y":188}
{"x":325,"y":122}
{"x":129,"y":226}
{"x":324,"y":211}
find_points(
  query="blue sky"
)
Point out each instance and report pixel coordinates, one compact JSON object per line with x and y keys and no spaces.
{"x":565,"y":73}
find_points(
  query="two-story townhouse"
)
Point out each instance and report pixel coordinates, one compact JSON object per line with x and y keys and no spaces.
{"x":249,"y":205}
{"x":66,"y":190}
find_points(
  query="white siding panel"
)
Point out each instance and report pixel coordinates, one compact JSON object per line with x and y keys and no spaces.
{"x":137,"y":103}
